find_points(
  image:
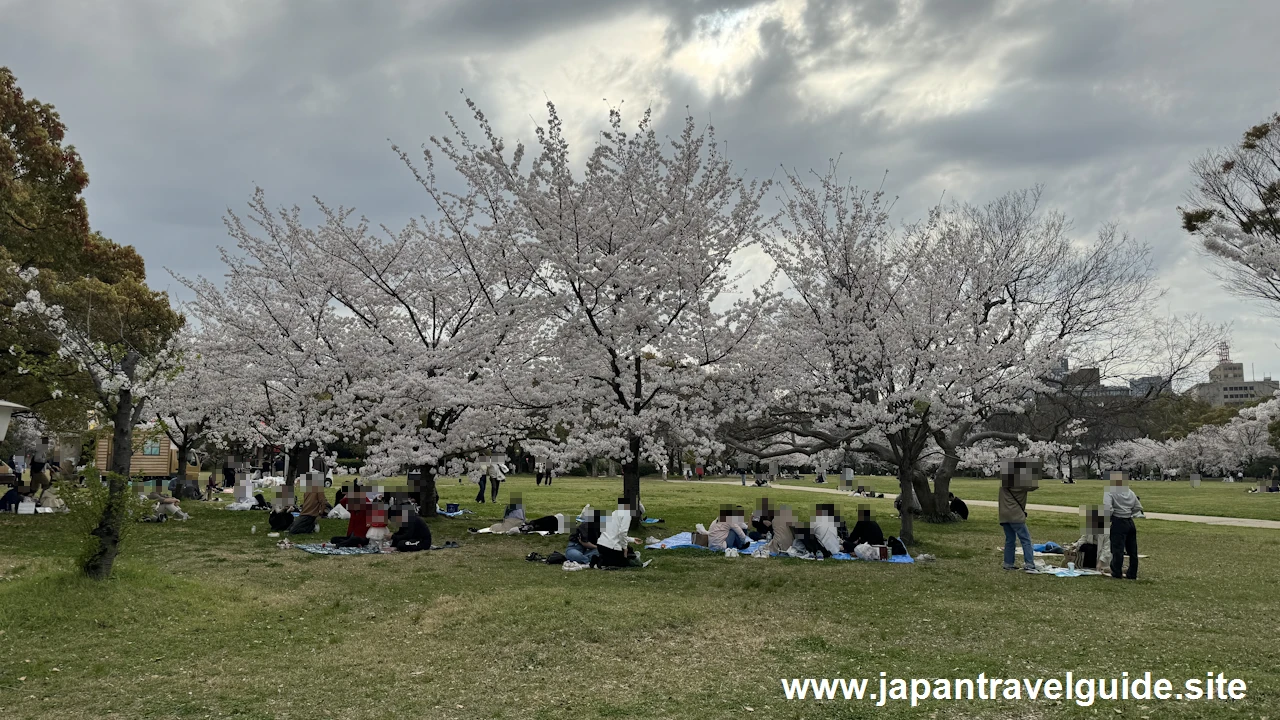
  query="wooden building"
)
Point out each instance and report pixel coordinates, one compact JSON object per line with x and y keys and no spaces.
{"x":155,"y":457}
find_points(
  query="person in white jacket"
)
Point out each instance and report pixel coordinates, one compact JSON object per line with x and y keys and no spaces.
{"x":613,"y":543}
{"x":823,"y":527}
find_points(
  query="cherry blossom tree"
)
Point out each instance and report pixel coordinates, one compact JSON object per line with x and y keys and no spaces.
{"x":631,"y":261}
{"x":913,"y":340}
{"x":120,"y":335}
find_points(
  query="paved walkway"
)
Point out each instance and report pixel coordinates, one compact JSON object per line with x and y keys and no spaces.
{"x":1202,"y":519}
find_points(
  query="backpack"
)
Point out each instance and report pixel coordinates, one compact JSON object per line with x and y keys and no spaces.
{"x":556,"y":558}
{"x":896,"y":547}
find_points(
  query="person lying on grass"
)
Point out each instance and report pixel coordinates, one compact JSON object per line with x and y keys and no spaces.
{"x":865,"y":531}
{"x":725,"y":532}
{"x":512,"y":517}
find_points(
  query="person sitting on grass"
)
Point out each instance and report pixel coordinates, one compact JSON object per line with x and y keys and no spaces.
{"x":313,"y":503}
{"x":15,"y":496}
{"x":959,"y":507}
{"x":614,"y":546}
{"x":1018,"y":476}
{"x":782,"y":527}
{"x":167,"y":506}
{"x":1093,"y":550}
{"x":865,"y":530}
{"x":762,"y":521}
{"x":725,"y":533}
{"x":282,"y":510}
{"x":413,"y":534}
{"x":823,"y":529}
{"x":357,"y":524}
{"x":582,"y":541}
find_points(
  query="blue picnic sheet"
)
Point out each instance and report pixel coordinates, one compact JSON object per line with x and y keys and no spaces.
{"x":318,"y":549}
{"x":651,"y":521}
{"x":684,"y":540}
{"x":457,"y":513}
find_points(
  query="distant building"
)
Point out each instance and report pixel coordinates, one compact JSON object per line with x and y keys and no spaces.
{"x":1227,"y":385}
{"x":1148,"y":385}
{"x":1087,"y":382}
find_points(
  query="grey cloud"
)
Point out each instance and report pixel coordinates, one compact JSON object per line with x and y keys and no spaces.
{"x":1104,"y":103}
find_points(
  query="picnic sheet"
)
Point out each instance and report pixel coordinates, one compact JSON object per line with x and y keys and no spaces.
{"x":318,"y":549}
{"x":684,"y":540}
{"x":1018,"y":551}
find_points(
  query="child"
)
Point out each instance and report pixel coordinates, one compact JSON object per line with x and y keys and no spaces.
{"x":1121,"y":505}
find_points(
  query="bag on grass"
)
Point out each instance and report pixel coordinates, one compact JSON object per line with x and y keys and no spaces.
{"x":556,"y":558}
{"x":896,"y":547}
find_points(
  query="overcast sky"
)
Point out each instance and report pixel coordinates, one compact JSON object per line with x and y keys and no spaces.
{"x":181,"y":108}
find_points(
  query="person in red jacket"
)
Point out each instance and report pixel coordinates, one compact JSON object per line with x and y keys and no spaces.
{"x":358,"y":525}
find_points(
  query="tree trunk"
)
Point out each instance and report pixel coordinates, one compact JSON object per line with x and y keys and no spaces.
{"x":906,"y":488}
{"x":938,"y":509}
{"x":427,"y":496}
{"x":188,"y":489}
{"x":631,"y":475}
{"x":98,"y":565}
{"x":298,"y":456}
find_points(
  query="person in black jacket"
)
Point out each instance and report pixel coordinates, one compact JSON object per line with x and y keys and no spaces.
{"x":413,"y":534}
{"x":865,"y":530}
{"x":582,"y":541}
{"x":959,"y":507}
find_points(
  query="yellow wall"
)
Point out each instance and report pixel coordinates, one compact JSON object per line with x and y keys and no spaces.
{"x":163,"y":465}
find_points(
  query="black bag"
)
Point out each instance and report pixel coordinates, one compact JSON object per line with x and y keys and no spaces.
{"x":896,"y":547}
{"x":556,"y":558}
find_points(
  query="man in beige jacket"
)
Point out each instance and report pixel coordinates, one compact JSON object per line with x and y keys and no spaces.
{"x":1017,"y":477}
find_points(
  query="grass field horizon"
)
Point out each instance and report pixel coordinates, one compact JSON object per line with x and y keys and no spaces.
{"x":205,"y":618}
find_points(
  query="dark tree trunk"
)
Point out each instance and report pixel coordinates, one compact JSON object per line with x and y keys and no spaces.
{"x":298,"y":456}
{"x":906,"y":488}
{"x":98,"y":565}
{"x":631,"y":475}
{"x":427,"y":496}
{"x":188,"y":488}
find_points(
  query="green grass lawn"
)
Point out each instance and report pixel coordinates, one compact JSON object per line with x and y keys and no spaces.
{"x":1211,"y":498}
{"x":205,"y":619}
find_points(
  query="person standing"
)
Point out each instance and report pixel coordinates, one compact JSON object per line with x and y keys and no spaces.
{"x":1017,"y":478}
{"x":1122,"y":505}
{"x":484,"y":479}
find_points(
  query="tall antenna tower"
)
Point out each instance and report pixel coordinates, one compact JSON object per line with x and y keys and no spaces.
{"x":1224,"y":352}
